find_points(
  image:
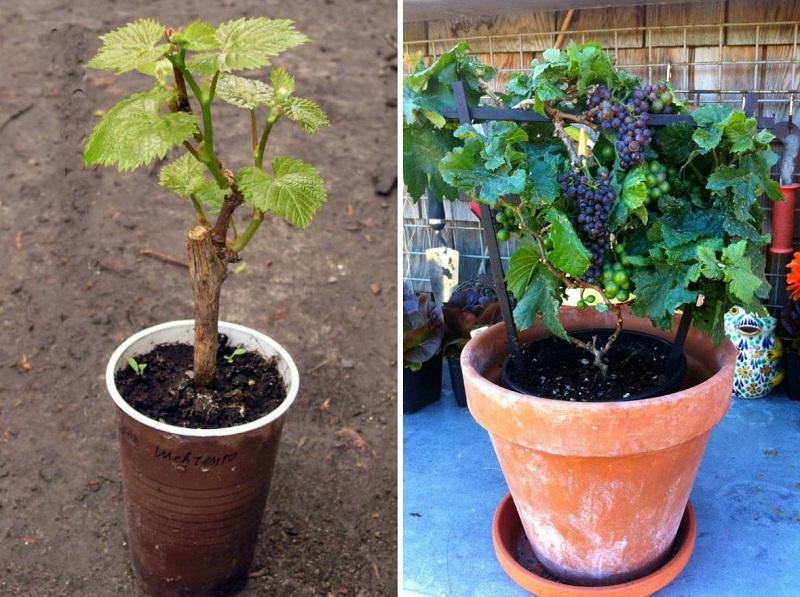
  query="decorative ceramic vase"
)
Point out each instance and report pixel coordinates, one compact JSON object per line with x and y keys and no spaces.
{"x":758,"y":365}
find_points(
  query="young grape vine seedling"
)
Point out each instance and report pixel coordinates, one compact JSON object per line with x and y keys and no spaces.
{"x":229,"y":358}
{"x":136,"y":366}
{"x":191,"y":70}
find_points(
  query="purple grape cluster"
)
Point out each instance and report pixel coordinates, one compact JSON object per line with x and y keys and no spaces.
{"x":629,"y":118}
{"x":593,"y":200}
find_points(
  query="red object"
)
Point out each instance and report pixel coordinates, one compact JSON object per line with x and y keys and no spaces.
{"x":506,"y":534}
{"x":475,"y":208}
{"x":783,"y":220}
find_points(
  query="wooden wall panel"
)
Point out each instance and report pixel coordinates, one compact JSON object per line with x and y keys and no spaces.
{"x":511,"y":24}
{"x":749,"y":11}
{"x":689,"y":13}
{"x":627,"y":17}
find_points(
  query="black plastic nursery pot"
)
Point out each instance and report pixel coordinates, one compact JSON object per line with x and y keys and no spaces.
{"x":457,"y":381}
{"x":563,"y":351}
{"x":194,"y":498}
{"x":422,"y":387}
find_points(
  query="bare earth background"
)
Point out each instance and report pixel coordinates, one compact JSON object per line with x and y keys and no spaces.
{"x":74,"y":284}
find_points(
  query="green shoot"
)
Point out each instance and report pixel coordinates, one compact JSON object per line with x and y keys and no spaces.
{"x":136,"y":366}
{"x":229,"y":358}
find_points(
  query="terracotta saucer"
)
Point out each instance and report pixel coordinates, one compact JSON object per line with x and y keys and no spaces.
{"x":517,"y":559}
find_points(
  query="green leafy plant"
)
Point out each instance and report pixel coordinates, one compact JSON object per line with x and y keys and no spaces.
{"x":229,"y":357}
{"x":602,"y":203}
{"x":136,"y":366}
{"x":192,"y":69}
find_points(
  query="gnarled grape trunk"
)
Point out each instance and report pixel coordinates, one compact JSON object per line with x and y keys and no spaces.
{"x":207,"y":273}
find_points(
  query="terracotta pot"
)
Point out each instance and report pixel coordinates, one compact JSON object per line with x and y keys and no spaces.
{"x":600,"y":487}
{"x":783,"y":220}
{"x":194,"y":498}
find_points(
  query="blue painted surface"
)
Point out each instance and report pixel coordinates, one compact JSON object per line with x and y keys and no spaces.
{"x":747,"y":500}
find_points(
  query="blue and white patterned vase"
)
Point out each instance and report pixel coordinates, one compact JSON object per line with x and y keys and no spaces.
{"x":758,"y":365}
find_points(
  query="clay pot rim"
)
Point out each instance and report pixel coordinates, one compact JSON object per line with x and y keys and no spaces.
{"x":277,"y":413}
{"x":468,"y":369}
{"x":791,"y":186}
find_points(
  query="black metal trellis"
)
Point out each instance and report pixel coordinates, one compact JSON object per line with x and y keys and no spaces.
{"x":466,"y":115}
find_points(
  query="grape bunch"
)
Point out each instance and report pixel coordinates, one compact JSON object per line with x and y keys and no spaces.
{"x":593,"y":200}
{"x":616,"y":278}
{"x":665,"y":179}
{"x":657,"y":180}
{"x":630,"y":118}
{"x":508,"y":222}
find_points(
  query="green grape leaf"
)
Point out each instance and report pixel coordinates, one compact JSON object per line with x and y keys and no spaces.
{"x":742,"y":282}
{"x":712,"y":115}
{"x":427,"y":92}
{"x":590,"y":64}
{"x":423,"y":149}
{"x":543,"y":295}
{"x":247,"y":43}
{"x":134,"y":131}
{"x":490,"y":161}
{"x":130,"y":47}
{"x":197,"y":36}
{"x":294,"y":190}
{"x":676,"y":142}
{"x":183,"y":175}
{"x":660,"y":292}
{"x":186,"y":177}
{"x":521,"y":268}
{"x":741,"y":132}
{"x":706,"y":139}
{"x":568,"y":253}
{"x":243,"y":92}
{"x":306,"y":113}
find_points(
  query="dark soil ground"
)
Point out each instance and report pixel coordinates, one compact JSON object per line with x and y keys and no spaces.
{"x":75,"y":284}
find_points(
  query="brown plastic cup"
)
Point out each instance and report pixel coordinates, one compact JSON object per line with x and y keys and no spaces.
{"x":194,"y":498}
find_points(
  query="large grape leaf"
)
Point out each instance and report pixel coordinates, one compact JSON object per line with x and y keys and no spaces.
{"x":427,"y":92}
{"x":294,"y":190}
{"x":135,"y":131}
{"x":521,"y":268}
{"x":492,"y":162}
{"x":660,"y":292}
{"x":738,"y":273}
{"x":590,"y":64}
{"x":423,"y":149}
{"x":130,"y":47}
{"x":543,"y":295}
{"x":632,"y":199}
{"x":247,"y":43}
{"x":676,"y":142}
{"x":568,"y":253}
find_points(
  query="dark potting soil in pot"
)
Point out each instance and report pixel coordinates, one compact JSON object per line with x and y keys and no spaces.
{"x":554,"y":368}
{"x":246,"y":389}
